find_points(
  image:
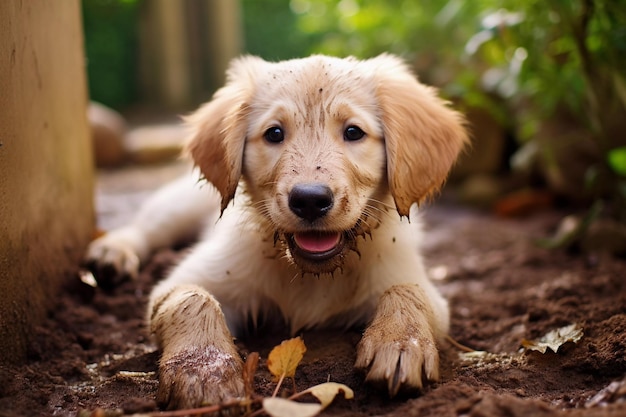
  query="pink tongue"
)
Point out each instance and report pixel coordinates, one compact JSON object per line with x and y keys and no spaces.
{"x":316,"y":241}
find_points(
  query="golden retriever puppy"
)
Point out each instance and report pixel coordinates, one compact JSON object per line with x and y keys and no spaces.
{"x":312,"y":167}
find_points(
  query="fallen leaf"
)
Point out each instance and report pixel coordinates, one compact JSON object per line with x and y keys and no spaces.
{"x":554,"y":339}
{"x":523,"y":202}
{"x":280,"y":407}
{"x":327,"y":392}
{"x":285,"y":358}
{"x":249,"y":369}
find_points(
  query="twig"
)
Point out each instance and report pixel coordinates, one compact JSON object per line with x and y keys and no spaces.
{"x":459,"y":345}
{"x":258,"y":412}
{"x":280,"y":382}
{"x":202,"y":410}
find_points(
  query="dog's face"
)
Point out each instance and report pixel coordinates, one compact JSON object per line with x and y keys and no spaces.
{"x":314,"y":159}
{"x":322,"y":143}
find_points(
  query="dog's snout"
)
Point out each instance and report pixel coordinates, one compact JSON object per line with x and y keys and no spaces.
{"x":311,"y":201}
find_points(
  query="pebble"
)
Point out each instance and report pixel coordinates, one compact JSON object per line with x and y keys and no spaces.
{"x":108,"y":129}
{"x":155,"y":143}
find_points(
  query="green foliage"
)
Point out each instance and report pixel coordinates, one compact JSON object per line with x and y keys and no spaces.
{"x":573,"y":78}
{"x":365,"y":28}
{"x":270,"y":30}
{"x":617,"y":160}
{"x":431,"y":34}
{"x":110,"y":28}
{"x":557,"y":52}
{"x":572,"y":59}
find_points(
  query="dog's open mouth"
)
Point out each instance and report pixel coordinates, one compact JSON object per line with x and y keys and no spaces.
{"x":318,"y":252}
{"x":321,"y":252}
{"x":317,"y":246}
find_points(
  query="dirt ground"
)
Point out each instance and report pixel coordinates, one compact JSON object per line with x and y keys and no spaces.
{"x":93,"y":351}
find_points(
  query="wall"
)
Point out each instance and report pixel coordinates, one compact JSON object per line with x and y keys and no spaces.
{"x":46,"y":174}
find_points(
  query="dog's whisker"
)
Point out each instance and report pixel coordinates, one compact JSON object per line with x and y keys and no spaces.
{"x":382,"y":210}
{"x":295,"y":277}
{"x":383,"y":204}
{"x":365,"y":220}
{"x":368,"y":214}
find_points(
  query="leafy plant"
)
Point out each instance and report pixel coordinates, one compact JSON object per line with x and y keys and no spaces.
{"x":557,"y":66}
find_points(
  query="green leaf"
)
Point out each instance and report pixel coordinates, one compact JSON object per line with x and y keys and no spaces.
{"x":617,"y":160}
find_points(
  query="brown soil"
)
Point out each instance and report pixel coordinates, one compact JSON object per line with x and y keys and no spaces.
{"x":93,"y":351}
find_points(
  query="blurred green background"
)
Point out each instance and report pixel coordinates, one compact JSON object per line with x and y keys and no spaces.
{"x":111,"y":50}
{"x":549,"y":74}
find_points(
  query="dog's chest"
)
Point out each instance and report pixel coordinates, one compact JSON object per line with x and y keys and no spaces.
{"x":339,"y":300}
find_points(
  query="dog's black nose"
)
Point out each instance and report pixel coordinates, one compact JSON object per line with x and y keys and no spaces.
{"x":310,"y":201}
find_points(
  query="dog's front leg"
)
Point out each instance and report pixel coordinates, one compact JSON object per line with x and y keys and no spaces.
{"x":176,"y":213}
{"x":400,"y":343}
{"x":199,"y":363}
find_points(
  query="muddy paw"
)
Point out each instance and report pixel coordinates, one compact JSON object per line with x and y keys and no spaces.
{"x":199,"y":376}
{"x":112,"y":259}
{"x":398,"y":357}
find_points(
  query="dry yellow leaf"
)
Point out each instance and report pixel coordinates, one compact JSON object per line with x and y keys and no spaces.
{"x":327,"y":392}
{"x":285,"y":358}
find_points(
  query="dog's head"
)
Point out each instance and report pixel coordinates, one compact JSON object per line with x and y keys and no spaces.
{"x":322,"y":145}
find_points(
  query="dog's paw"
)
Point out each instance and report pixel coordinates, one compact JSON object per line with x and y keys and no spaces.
{"x":199,"y":376}
{"x":398,"y":355}
{"x":113,"y":257}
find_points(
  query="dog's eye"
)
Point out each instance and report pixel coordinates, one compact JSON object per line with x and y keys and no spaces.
{"x":274,"y":135}
{"x":353,"y":133}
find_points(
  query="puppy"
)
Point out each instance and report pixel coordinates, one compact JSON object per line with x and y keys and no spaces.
{"x":312,"y":168}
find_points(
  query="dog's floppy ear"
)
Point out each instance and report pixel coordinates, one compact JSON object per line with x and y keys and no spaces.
{"x":423,"y":137}
{"x":219,"y":128}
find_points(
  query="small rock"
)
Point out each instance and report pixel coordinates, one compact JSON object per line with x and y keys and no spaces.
{"x":108,"y":128}
{"x":154,"y":144}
